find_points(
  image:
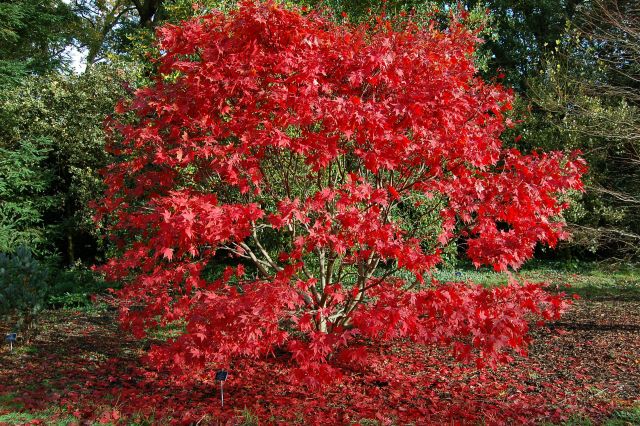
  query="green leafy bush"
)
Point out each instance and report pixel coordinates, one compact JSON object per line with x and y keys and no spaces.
{"x":51,"y":148}
{"x":24,"y":195}
{"x":73,"y":288}
{"x":23,"y":289}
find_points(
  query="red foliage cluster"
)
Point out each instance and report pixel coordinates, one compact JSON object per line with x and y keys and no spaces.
{"x":305,"y":149}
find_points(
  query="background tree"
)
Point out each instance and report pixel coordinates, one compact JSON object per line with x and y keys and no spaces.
{"x":52,"y":146}
{"x":117,"y":30}
{"x":102,"y":24}
{"x":24,"y":196}
{"x":34,"y":35}
{"x":589,"y":93}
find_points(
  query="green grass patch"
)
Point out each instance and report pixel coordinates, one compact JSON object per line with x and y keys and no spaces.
{"x":588,"y":280}
{"x":248,"y":418}
{"x":170,"y":331}
{"x":14,"y":414}
{"x":624,"y":417}
{"x":8,"y":402}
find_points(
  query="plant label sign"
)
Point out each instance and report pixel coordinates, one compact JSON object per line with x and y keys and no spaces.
{"x":221,"y":375}
{"x":11,"y":339}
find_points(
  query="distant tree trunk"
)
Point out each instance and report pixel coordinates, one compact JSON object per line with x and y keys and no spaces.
{"x":69,"y":231}
{"x":147,"y":10}
{"x":70,"y":252}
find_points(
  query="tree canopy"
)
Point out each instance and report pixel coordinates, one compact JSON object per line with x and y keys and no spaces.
{"x":268,"y":125}
{"x":556,"y":55}
{"x":33,"y":37}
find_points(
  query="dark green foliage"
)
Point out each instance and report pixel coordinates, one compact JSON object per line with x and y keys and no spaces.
{"x":23,"y":289}
{"x":74,"y":288}
{"x":523,"y":34}
{"x":33,"y":37}
{"x":51,"y":148}
{"x":23,"y":195}
{"x":587,"y":96}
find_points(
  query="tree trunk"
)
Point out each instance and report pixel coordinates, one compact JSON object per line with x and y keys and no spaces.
{"x":147,"y":11}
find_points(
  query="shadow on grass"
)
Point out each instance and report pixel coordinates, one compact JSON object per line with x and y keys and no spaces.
{"x":619,"y":294}
{"x":590,"y":326}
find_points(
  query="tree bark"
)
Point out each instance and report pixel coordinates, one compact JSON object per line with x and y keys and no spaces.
{"x":147,"y":11}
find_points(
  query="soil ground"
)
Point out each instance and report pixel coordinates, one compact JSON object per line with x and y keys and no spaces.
{"x":583,"y":369}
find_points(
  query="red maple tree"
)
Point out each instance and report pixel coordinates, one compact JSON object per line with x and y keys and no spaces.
{"x":330,"y":164}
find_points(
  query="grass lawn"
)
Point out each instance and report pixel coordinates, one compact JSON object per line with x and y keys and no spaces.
{"x":581,"y":370}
